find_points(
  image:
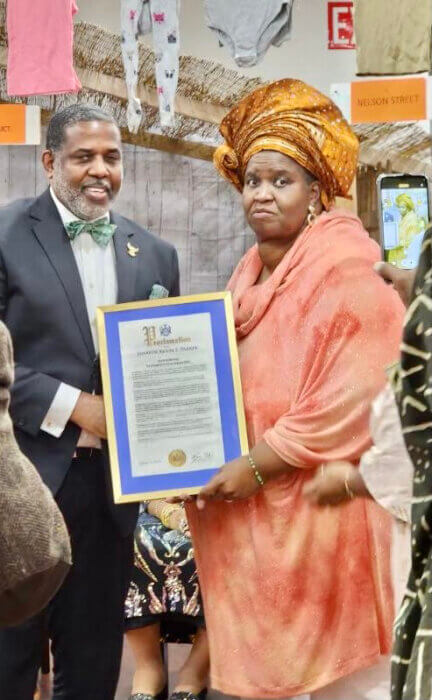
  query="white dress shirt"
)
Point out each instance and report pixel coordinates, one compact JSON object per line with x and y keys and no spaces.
{"x":97,"y":270}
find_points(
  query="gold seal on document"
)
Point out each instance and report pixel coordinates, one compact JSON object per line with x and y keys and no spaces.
{"x":177,"y":458}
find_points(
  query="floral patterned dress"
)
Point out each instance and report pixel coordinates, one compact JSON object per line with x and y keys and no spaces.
{"x":164,"y":586}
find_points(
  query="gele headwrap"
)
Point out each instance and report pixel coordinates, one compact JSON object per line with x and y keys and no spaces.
{"x":295,"y":119}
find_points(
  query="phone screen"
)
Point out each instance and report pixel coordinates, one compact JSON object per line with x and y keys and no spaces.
{"x":405,"y":216}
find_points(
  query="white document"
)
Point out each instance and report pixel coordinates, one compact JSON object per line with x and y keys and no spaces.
{"x":171,"y":393}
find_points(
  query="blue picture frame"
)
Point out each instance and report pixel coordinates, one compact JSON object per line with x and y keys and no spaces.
{"x":127,"y":486}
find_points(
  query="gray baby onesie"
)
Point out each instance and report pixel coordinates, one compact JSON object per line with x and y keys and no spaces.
{"x":249,"y":27}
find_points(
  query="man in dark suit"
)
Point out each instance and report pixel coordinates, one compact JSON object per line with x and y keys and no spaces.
{"x":62,"y":255}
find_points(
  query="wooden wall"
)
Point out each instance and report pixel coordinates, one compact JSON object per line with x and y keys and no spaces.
{"x":181,"y":199}
{"x":367,"y":203}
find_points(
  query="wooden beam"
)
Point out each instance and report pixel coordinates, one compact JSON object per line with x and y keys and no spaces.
{"x":116,"y":87}
{"x":158,"y":142}
{"x":192,"y":109}
{"x":100,"y":82}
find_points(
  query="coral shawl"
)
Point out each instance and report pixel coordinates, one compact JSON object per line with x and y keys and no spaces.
{"x":296,"y":596}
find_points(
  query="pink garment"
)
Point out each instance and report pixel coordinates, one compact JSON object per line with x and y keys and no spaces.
{"x":40,"y":53}
{"x":297,"y":596}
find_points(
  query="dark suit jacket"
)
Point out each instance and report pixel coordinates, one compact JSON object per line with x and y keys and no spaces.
{"x":42,"y":303}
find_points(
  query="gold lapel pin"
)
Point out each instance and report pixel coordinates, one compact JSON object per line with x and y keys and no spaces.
{"x":132,"y":250}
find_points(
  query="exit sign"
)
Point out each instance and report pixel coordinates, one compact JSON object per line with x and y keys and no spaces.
{"x":340,"y":25}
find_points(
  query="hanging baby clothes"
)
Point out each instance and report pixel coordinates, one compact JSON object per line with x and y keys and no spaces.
{"x":393,"y":37}
{"x":165,"y":20}
{"x":40,"y":52}
{"x":140,"y":17}
{"x":249,"y":27}
{"x":135,"y":21}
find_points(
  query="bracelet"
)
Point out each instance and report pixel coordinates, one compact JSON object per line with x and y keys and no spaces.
{"x":255,"y":469}
{"x":166,"y":513}
{"x":348,"y":490}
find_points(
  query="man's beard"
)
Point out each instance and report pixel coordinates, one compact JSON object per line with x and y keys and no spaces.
{"x":75,"y":200}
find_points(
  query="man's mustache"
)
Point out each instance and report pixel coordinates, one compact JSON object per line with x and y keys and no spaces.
{"x":98,"y":183}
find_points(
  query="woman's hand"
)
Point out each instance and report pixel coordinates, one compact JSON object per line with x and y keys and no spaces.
{"x":233,"y":481}
{"x":402,"y":280}
{"x":171,"y":516}
{"x":335,"y":483}
{"x":178,"y":521}
{"x":180,"y":499}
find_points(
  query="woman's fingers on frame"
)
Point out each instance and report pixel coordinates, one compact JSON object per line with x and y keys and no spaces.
{"x":209,"y":492}
{"x":180,"y":499}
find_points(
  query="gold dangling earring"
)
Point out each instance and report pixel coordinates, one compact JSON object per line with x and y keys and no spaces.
{"x":312,"y":214}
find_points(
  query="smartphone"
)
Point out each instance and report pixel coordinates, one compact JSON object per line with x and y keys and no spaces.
{"x":404,"y":210}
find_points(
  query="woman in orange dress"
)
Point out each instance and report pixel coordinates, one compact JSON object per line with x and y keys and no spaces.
{"x":298,"y":599}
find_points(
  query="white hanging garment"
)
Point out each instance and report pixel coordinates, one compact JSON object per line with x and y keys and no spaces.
{"x":161,"y":17}
{"x":165,"y":19}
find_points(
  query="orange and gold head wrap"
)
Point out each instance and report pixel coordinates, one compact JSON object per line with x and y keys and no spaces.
{"x":295,"y":119}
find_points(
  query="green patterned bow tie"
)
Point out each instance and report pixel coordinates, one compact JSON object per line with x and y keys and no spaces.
{"x":101,"y":231}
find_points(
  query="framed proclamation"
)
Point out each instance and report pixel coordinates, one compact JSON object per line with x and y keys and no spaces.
{"x":172,"y":393}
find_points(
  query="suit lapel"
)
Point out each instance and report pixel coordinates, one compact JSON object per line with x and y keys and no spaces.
{"x":126,"y":265}
{"x":49,"y":231}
